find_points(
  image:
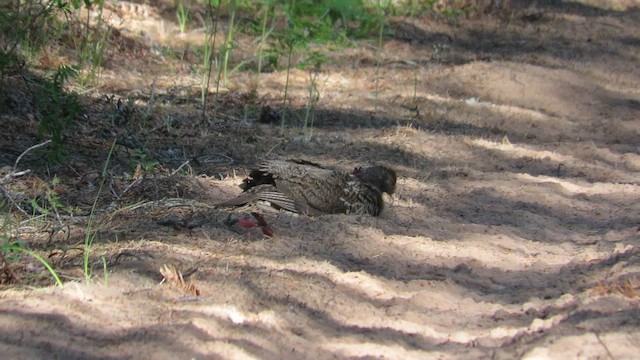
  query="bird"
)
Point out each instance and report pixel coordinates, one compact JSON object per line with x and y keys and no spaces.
{"x":308,"y":188}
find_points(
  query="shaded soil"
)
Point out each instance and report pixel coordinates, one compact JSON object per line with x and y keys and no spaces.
{"x":513,"y":232}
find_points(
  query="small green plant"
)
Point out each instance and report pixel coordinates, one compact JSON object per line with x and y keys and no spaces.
{"x":412,"y":8}
{"x":145,"y":161}
{"x":309,"y":22}
{"x":289,"y":46}
{"x":313,"y":64}
{"x":57,"y":109}
{"x":50,"y":203}
{"x":416,"y":69}
{"x":207,"y":58}
{"x":450,"y":13}
{"x":228,"y":45}
{"x":381,"y":12}
{"x":182,"y":14}
{"x":266,"y":5}
{"x":52,"y":196}
{"x":94,"y":41}
{"x":292,"y":36}
{"x":105,"y":270}
{"x":210,"y":47}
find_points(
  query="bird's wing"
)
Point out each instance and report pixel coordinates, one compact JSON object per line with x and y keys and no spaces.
{"x":297,"y":181}
{"x":314,"y":190}
{"x":278,"y":199}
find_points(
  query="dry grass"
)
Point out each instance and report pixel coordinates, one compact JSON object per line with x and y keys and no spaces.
{"x":629,"y":287}
{"x":174,"y":277}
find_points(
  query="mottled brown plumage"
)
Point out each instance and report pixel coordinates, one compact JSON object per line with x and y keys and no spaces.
{"x":308,"y":188}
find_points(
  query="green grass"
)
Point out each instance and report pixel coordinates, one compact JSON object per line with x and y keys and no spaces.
{"x":182,"y":14}
{"x":31,"y":253}
{"x":90,"y":233}
{"x":11,"y":246}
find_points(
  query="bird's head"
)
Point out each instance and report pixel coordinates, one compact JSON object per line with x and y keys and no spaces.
{"x":378,"y":176}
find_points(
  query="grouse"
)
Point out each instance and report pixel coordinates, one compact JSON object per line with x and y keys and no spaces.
{"x":307,"y":188}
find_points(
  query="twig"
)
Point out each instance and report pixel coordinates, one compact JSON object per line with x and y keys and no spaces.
{"x":8,"y":196}
{"x":180,"y":167}
{"x":270,"y":150}
{"x":26,"y":151}
{"x":13,"y":175}
{"x":606,"y":348}
{"x":129,"y":187}
{"x":206,"y":158}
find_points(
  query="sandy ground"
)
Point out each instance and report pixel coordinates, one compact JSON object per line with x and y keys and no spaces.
{"x":513,"y":232}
